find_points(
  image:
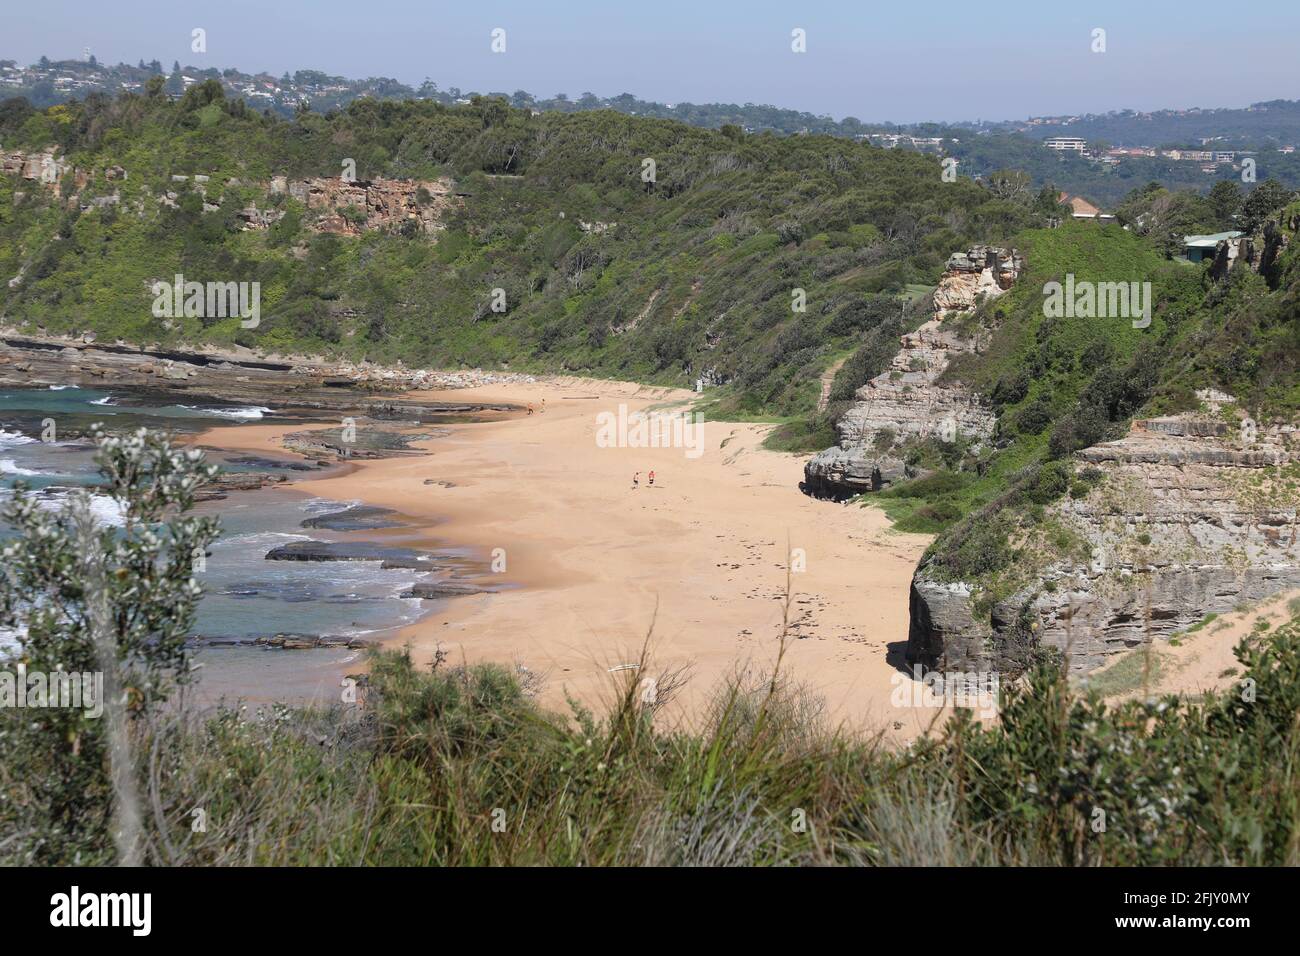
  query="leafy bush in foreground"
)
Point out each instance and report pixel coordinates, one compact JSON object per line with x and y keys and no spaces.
{"x":87,"y":598}
{"x":459,"y":767}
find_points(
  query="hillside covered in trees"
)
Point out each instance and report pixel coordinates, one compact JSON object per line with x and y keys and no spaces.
{"x":593,"y":242}
{"x":637,"y":248}
{"x":647,"y":249}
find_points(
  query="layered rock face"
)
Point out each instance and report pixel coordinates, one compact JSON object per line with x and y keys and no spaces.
{"x":980,"y":272}
{"x":245,"y":377}
{"x":907,"y":401}
{"x":1193,"y":516}
{"x":843,"y":472}
{"x":341,"y":206}
{"x":379,"y":204}
{"x":42,"y":167}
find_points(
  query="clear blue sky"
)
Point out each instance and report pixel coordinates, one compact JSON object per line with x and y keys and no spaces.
{"x":874,"y":59}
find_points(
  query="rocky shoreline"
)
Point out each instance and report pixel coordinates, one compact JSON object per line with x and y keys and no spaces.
{"x":284,"y":642}
{"x":245,"y":377}
{"x":450,"y":573}
{"x":362,"y":396}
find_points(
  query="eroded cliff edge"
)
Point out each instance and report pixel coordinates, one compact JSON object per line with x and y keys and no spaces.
{"x":1185,"y":516}
{"x":1135,"y":539}
{"x":908,"y":400}
{"x":1155,"y":522}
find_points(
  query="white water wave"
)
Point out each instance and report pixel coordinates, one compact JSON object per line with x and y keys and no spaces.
{"x":259,"y":539}
{"x":104,"y":509}
{"x":14,"y":438}
{"x":250,"y":413}
{"x":321,"y":506}
{"x":10,"y":467}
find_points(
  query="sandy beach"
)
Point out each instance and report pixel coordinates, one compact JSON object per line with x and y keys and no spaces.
{"x":591,"y":562}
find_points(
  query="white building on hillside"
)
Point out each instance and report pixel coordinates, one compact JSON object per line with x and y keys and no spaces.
{"x":1066,"y":143}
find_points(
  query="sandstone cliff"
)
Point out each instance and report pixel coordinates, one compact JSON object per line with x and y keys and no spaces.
{"x":1259,"y":252}
{"x":908,"y":401}
{"x":342,"y":207}
{"x":1187,"y":516}
{"x":353,"y":207}
{"x":37,"y":167}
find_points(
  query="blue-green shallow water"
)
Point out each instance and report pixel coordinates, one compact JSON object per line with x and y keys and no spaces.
{"x":245,"y":595}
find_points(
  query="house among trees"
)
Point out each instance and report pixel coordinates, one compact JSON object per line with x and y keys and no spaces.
{"x":1200,"y":248}
{"x":1080,"y":208}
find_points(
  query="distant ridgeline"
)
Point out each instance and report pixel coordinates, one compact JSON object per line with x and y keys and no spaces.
{"x":481,"y":235}
{"x":48,"y":82}
{"x":982,"y":147}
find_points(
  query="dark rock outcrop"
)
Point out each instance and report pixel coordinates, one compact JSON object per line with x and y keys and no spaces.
{"x":285,"y":642}
{"x":844,"y":472}
{"x":435,"y":590}
{"x":357,"y":442}
{"x":227,"y":481}
{"x":260,"y":461}
{"x":355,"y":518}
{"x":389,"y":557}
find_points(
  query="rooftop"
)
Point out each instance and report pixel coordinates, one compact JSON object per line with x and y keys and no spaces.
{"x":1210,"y":241}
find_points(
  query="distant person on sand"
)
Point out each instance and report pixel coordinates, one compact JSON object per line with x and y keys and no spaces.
{"x":636,"y":479}
{"x":530,"y":408}
{"x":652,"y":479}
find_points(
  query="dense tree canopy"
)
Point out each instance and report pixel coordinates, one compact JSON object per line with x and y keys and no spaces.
{"x":605,"y":269}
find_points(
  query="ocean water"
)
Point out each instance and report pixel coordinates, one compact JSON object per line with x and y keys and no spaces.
{"x":245,"y":596}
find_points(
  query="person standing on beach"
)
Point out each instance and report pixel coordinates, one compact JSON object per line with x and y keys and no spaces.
{"x":652,"y":479}
{"x":636,"y":479}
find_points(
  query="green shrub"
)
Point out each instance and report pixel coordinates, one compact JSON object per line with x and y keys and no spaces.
{"x":459,"y":766}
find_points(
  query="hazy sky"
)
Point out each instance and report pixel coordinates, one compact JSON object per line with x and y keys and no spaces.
{"x":894,"y":60}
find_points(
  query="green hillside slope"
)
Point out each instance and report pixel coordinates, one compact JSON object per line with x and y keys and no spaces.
{"x":695,"y":272}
